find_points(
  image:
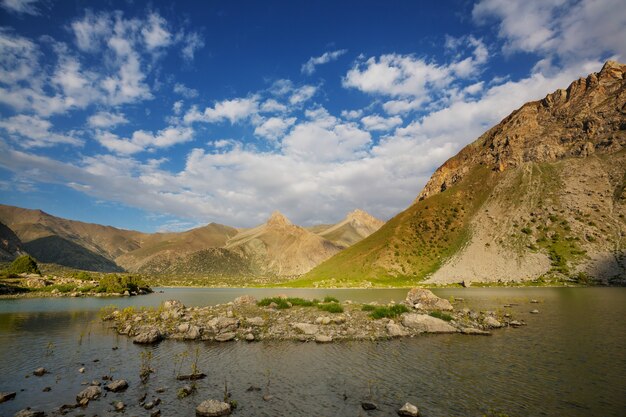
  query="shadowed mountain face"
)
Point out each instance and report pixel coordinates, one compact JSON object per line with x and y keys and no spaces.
{"x":10,"y":245}
{"x":276,"y":248}
{"x":542,"y":194}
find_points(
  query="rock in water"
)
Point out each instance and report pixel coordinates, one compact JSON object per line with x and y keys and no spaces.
{"x":27,"y":412}
{"x":368,"y":405}
{"x":89,"y":393}
{"x":320,"y":338}
{"x":409,"y":410}
{"x":213,"y":408}
{"x":119,"y":406}
{"x":40,"y":372}
{"x":534,"y":311}
{"x":426,"y":324}
{"x":148,"y":336}
{"x":425,"y":300}
{"x":116,"y":386}
{"x":492,"y":323}
{"x":6,"y":396}
{"x":225,"y":337}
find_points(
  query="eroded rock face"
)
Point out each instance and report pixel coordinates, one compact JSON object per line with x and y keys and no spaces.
{"x":426,"y":324}
{"x":213,"y":408}
{"x":424,"y":299}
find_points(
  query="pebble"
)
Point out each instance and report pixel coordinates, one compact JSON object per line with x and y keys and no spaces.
{"x":534,"y":311}
{"x":40,"y":371}
{"x":81,"y":370}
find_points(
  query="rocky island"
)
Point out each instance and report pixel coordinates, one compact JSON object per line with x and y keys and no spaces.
{"x":283,"y":318}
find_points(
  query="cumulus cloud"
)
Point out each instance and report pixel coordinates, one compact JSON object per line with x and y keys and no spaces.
{"x":233,"y":110}
{"x":106,"y":120}
{"x":155,"y":32}
{"x":571,"y":30}
{"x":376,"y":122}
{"x":185,"y":91}
{"x":34,"y":132}
{"x":274,"y":127}
{"x":309,"y":67}
{"x":142,"y":140}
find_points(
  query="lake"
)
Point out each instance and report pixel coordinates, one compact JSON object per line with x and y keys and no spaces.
{"x":570,"y":360}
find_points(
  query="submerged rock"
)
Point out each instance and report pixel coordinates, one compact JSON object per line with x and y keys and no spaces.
{"x":6,"y":396}
{"x":476,"y":332}
{"x":409,"y":410}
{"x":40,"y":371}
{"x":368,"y":405}
{"x":213,"y":408}
{"x":424,"y":299}
{"x":28,"y":412}
{"x":424,"y":323}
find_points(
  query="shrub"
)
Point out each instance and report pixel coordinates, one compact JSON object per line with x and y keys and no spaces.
{"x":113,"y":283}
{"x":440,"y":315}
{"x":388,"y":311}
{"x":83,"y":276}
{"x":331,"y":307}
{"x":24,"y":264}
{"x":329,"y":299}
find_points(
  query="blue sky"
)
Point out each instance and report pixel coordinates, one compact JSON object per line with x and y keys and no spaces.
{"x":171,"y":115}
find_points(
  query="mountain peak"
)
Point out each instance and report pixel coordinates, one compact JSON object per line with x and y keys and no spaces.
{"x":278,"y":219}
{"x":613,"y":69}
{"x":361,"y":216}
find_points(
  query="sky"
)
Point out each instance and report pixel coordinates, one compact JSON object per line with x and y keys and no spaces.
{"x":164,"y":116}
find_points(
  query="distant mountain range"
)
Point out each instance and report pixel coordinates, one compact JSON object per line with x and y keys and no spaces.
{"x":540,"y":195}
{"x":275,"y":248}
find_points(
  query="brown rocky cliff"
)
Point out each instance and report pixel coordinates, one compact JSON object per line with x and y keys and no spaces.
{"x":588,"y":117}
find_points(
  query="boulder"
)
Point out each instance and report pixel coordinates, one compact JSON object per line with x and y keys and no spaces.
{"x":117,"y":385}
{"x":395,"y":330}
{"x":255,"y":321}
{"x":244,"y":299}
{"x":90,"y":393}
{"x":212,"y":408}
{"x":225,"y":337}
{"x":492,"y":323}
{"x":424,"y":323}
{"x":27,"y":412}
{"x":425,"y":300}
{"x":6,"y":396}
{"x":306,"y":328}
{"x":409,"y":410}
{"x":148,"y":335}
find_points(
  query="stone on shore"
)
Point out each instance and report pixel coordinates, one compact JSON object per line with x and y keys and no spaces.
{"x":147,"y":336}
{"x":491,"y":322}
{"x":320,"y":338}
{"x":117,"y":385}
{"x":395,"y":330}
{"x":423,"y":299}
{"x":409,"y":410}
{"x":213,"y":408}
{"x":424,"y":323}
{"x":244,"y":299}
{"x":306,"y":328}
{"x":27,"y":412}
{"x":225,"y":337}
{"x":6,"y":396}
{"x":255,"y":321}
{"x":90,"y":393}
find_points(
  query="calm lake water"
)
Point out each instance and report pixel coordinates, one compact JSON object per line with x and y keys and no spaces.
{"x":569,"y":361}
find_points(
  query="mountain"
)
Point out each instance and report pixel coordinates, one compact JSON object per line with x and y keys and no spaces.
{"x":540,"y":195}
{"x":10,"y":245}
{"x":276,"y":248}
{"x":279,"y":247}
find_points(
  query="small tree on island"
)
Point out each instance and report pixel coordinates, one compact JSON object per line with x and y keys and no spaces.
{"x":24,"y":264}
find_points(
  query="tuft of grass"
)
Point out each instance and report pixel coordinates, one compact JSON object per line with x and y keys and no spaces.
{"x":388,"y":311}
{"x":329,"y":299}
{"x":440,"y":315}
{"x":368,"y":307}
{"x":331,"y":307}
{"x":283,"y":303}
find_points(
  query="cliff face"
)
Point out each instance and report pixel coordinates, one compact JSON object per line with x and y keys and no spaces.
{"x":588,"y":117}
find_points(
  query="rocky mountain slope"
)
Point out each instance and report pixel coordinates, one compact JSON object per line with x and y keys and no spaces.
{"x":539,"y":196}
{"x":10,"y":245}
{"x":276,"y":248}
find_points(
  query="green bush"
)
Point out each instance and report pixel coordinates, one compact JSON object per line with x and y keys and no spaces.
{"x":329,"y":299}
{"x":114,"y":283}
{"x":440,"y":315}
{"x":388,"y":311}
{"x":24,"y":264}
{"x":83,"y":276}
{"x":331,"y":307}
{"x":368,"y":307}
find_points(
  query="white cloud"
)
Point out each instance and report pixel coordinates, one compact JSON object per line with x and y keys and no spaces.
{"x":18,"y":58}
{"x":380,"y":123}
{"x":233,"y":110}
{"x":192,"y":43}
{"x":177,"y":107}
{"x":20,"y":6}
{"x":34,"y":132}
{"x":403,"y":106}
{"x":155,"y":33}
{"x":571,"y":30}
{"x":351,"y":114}
{"x":309,"y":67}
{"x":302,"y":94}
{"x":274,"y":127}
{"x":106,"y":120}
{"x":273,"y":106}
{"x":141,"y":140}
{"x":185,"y":91}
